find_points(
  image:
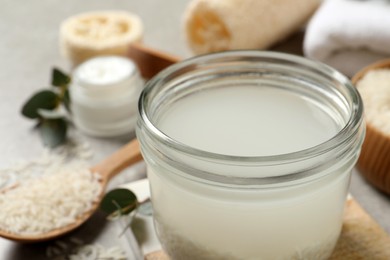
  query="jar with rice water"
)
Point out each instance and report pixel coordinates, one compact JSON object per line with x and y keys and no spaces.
{"x":249,"y":155}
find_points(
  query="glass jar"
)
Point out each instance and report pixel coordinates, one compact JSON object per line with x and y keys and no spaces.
{"x":249,"y":155}
{"x":104,"y":94}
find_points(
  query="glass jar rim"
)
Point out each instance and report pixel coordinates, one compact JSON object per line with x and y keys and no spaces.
{"x":351,"y":127}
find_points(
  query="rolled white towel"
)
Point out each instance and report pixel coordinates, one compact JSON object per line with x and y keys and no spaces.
{"x":349,"y":34}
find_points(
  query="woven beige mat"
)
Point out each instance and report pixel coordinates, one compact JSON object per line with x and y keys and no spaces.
{"x":361,"y":238}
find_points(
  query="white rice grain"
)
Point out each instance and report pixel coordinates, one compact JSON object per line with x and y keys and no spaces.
{"x":51,"y":201}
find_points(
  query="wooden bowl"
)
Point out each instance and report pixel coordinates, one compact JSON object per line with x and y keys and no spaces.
{"x":374,"y":160}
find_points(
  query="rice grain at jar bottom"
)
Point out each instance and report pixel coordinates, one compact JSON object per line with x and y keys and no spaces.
{"x":249,"y":155}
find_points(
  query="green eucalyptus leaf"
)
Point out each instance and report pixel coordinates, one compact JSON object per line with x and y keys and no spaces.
{"x":45,"y":99}
{"x":119,"y":200}
{"x":53,"y":131}
{"x":59,"y":78}
{"x":66,"y":100}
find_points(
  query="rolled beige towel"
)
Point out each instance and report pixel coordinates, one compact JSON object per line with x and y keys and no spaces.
{"x":217,"y":25}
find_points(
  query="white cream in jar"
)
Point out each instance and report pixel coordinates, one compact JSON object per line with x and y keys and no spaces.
{"x":104,"y":96}
{"x":249,"y":155}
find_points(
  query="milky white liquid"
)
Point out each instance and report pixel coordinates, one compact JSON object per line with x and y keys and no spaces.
{"x":199,"y":221}
{"x":248,"y":121}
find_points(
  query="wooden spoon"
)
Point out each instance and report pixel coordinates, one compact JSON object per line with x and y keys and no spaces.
{"x":108,"y":168}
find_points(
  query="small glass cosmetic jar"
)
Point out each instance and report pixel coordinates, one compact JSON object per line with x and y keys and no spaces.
{"x":104,"y":96}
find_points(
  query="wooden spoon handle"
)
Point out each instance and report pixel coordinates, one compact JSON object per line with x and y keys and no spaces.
{"x":126,"y":156}
{"x":150,"y":61}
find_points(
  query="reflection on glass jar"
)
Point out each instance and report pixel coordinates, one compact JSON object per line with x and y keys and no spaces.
{"x":249,"y":155}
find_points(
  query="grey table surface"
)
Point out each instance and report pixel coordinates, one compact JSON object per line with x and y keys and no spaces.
{"x":29,"y":49}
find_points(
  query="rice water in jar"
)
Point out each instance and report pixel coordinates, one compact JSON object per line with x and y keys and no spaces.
{"x":249,"y":155}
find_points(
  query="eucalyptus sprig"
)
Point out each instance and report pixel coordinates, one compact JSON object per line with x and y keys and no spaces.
{"x":120,"y":202}
{"x":45,"y":107}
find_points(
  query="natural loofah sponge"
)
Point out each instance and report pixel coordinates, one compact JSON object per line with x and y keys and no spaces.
{"x":217,"y":25}
{"x":91,"y":34}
